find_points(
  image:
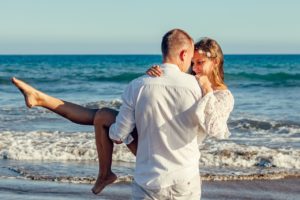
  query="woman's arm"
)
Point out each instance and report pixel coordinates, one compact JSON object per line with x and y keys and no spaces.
{"x":154,"y":71}
{"x":204,"y":84}
{"x":213,"y":111}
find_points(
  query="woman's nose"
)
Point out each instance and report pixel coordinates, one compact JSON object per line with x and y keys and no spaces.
{"x":193,"y":68}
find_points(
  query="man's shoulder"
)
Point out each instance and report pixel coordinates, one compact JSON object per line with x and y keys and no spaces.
{"x":185,"y":79}
{"x":176,"y":79}
{"x":137,"y":83}
{"x":188,"y":76}
{"x":139,"y":80}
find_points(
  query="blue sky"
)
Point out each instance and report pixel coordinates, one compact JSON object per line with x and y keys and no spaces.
{"x":136,"y":26}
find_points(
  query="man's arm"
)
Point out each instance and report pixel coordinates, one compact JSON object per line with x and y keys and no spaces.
{"x":125,"y":122}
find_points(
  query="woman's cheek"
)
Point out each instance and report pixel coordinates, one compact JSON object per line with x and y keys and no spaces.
{"x":196,"y":69}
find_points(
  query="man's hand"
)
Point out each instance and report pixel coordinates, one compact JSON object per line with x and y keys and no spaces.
{"x":117,"y":141}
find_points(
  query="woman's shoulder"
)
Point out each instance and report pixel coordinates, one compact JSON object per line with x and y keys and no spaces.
{"x":224,"y":94}
{"x":222,"y":91}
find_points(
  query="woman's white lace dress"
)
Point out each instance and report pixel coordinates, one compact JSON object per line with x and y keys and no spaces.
{"x":213,"y":111}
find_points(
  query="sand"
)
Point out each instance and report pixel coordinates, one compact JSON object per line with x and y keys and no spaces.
{"x":283,"y":189}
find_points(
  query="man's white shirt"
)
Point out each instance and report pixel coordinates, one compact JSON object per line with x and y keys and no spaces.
{"x":161,"y":108}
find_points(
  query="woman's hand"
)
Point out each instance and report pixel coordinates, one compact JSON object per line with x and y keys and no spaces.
{"x":154,"y":71}
{"x":204,"y":83}
{"x":117,"y":141}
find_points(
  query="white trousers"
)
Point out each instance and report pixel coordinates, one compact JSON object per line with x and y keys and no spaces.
{"x":188,"y":190}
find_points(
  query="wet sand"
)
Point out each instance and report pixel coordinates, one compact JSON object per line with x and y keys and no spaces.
{"x":283,"y":189}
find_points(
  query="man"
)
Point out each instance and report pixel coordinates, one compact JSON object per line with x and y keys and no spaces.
{"x":160,"y":108}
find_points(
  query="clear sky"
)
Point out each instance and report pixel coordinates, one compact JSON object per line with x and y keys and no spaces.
{"x":137,"y":26}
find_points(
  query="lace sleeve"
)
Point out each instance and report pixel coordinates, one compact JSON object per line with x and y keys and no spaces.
{"x":213,"y":111}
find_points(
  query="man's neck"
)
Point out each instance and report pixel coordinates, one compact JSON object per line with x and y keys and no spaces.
{"x":170,"y":61}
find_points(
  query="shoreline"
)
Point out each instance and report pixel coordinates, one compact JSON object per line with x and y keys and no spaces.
{"x":85,"y":172}
{"x":14,"y":188}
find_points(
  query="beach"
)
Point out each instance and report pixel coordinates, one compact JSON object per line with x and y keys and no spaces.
{"x":283,"y":189}
{"x":45,"y":180}
{"x":43,"y":156}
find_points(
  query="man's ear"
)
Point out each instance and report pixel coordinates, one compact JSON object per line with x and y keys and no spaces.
{"x":182,"y":54}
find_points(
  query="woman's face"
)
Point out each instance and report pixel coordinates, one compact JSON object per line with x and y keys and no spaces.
{"x":201,"y":64}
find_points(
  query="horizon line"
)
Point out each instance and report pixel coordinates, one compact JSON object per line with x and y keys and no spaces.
{"x":130,"y":54}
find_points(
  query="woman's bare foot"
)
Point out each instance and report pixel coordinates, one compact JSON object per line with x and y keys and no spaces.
{"x":101,"y":183}
{"x":31,"y":95}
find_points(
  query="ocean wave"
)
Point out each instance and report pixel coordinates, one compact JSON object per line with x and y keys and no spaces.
{"x":13,"y":113}
{"x":249,"y":124}
{"x":214,"y":174}
{"x":37,"y":145}
{"x":239,"y":124}
{"x":5,"y":81}
{"x":81,"y":146}
{"x":78,"y":79}
{"x":120,"y":78}
{"x":73,"y":78}
{"x":244,"y":156}
{"x":36,"y":175}
{"x":114,"y":104}
{"x":270,"y":77}
{"x":123,"y":77}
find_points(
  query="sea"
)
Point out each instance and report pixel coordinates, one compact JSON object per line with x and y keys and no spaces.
{"x":37,"y":144}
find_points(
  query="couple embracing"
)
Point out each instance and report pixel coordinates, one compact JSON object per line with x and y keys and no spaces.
{"x":165,"y":115}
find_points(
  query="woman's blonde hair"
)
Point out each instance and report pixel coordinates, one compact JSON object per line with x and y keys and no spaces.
{"x":214,"y":52}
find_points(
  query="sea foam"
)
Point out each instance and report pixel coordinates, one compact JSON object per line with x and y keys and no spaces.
{"x":79,"y":146}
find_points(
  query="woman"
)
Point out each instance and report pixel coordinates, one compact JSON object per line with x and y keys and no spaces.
{"x":217,"y":102}
{"x":216,"y":106}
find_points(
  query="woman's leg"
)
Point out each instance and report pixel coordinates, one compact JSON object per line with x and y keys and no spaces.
{"x":75,"y":113}
{"x":103,"y":120}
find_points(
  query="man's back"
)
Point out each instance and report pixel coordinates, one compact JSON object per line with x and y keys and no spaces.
{"x":167,"y":145}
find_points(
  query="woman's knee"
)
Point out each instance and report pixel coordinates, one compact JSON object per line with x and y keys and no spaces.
{"x":105,"y":116}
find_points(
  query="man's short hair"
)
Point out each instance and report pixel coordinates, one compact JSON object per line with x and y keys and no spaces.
{"x":173,"y":41}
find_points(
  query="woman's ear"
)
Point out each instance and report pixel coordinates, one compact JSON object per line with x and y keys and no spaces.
{"x":216,"y":62}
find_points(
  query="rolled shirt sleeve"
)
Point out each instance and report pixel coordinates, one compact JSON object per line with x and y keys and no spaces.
{"x":125,"y":120}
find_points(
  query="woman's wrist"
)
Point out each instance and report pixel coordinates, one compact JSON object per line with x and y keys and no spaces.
{"x":206,"y":89}
{"x":204,"y":83}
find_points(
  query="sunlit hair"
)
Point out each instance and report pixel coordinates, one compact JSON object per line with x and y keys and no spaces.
{"x":212,"y":50}
{"x":173,"y":41}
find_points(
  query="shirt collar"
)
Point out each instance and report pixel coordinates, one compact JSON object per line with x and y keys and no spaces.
{"x":170,"y":66}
